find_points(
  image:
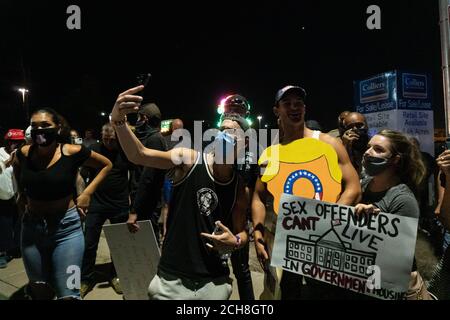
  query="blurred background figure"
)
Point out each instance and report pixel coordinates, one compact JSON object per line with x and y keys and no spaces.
{"x":339,"y":131}
{"x":75,"y":137}
{"x":355,"y":138}
{"x":89,"y":138}
{"x":109,"y":202}
{"x":9,"y":233}
{"x":313,"y":125}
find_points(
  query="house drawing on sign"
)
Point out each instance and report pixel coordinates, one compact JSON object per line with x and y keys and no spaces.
{"x":330,"y":252}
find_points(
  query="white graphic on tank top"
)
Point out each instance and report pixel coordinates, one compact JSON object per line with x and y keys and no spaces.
{"x":207,"y":201}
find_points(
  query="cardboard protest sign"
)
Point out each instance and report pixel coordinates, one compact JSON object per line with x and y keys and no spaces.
{"x":135,"y":256}
{"x":368,"y":254}
{"x":305,"y":167}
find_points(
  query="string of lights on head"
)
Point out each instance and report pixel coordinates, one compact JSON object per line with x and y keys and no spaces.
{"x":235,"y":104}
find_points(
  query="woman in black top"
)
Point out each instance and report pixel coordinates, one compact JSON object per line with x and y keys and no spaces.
{"x":52,"y":238}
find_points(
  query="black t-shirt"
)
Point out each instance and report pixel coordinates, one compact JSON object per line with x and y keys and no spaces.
{"x":146,"y":182}
{"x":249,"y":170}
{"x":112,"y":195}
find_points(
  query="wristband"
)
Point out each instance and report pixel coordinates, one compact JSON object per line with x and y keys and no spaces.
{"x":120,"y":123}
{"x":238,"y":242}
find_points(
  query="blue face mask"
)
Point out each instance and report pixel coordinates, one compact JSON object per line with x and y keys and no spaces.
{"x":224,"y":147}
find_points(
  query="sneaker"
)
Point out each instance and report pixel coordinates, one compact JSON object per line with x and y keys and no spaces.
{"x":3,"y":261}
{"x":115,"y":284}
{"x":86,"y":287}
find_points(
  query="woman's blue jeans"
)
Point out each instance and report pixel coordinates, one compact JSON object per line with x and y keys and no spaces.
{"x":52,"y":251}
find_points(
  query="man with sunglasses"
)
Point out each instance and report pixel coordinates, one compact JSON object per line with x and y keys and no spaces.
{"x":355,"y":138}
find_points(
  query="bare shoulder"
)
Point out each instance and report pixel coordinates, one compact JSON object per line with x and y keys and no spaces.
{"x":71,"y":149}
{"x":330,"y":140}
{"x":24,"y":150}
{"x":185,"y":156}
{"x":338,"y":147}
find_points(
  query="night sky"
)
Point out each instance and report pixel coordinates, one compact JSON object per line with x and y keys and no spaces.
{"x":198,"y":52}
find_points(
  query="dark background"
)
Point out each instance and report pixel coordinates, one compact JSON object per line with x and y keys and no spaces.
{"x":198,"y":52}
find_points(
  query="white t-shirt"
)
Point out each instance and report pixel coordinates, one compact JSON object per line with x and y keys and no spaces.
{"x":7,"y":185}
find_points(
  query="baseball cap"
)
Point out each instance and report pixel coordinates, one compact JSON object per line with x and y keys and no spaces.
{"x":283,"y":91}
{"x":15,"y":134}
{"x":151,"y":110}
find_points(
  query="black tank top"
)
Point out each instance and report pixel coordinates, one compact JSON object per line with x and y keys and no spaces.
{"x":197,"y":202}
{"x":52,"y":183}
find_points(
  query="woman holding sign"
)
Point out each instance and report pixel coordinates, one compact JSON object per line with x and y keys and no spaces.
{"x":394,"y":173}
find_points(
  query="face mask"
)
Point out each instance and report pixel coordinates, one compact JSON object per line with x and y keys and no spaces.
{"x":142,"y":128}
{"x":374,"y":165}
{"x":224,"y":146}
{"x":44,"y":137}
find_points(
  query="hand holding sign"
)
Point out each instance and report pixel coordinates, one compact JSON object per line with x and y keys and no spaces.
{"x":366,"y":209}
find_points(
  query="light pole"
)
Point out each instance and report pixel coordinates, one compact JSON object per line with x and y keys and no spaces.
{"x":24,"y":91}
{"x":259,"y":121}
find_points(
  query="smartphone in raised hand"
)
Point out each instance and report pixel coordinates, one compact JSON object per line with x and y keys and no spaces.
{"x":143,"y":80}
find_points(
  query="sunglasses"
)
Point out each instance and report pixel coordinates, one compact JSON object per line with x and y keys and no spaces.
{"x":357,"y":125}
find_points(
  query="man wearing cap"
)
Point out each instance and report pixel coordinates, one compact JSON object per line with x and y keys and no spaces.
{"x":14,"y":138}
{"x":146,"y":183}
{"x":320,"y":155}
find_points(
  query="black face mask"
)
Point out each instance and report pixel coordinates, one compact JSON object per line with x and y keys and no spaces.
{"x":142,"y":129}
{"x":44,"y":137}
{"x":361,"y":143}
{"x":375,"y":165}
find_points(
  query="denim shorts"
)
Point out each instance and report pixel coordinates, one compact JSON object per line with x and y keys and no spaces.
{"x":52,"y":250}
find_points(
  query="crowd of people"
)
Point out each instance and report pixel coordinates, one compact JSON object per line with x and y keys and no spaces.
{"x":58,"y":189}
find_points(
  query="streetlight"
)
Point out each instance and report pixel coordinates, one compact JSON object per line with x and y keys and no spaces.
{"x":24,"y":91}
{"x":259,"y":120}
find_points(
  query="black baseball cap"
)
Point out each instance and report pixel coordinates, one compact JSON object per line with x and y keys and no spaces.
{"x":283,"y":91}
